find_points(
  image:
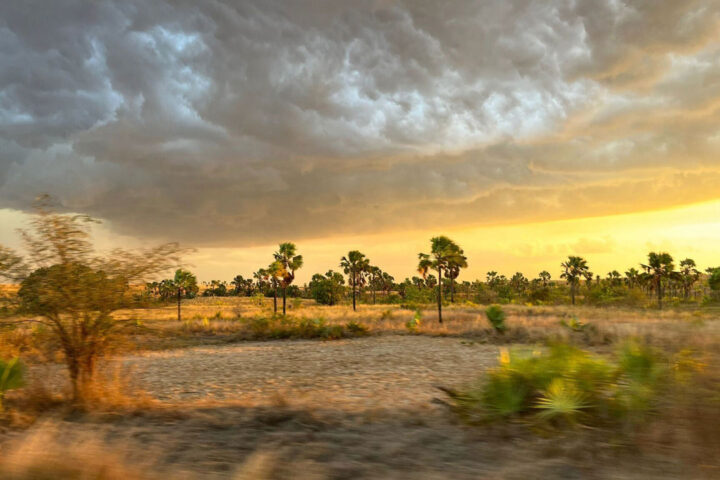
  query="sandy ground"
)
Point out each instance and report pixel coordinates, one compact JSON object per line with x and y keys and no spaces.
{"x":359,"y":374}
{"x":360,"y":408}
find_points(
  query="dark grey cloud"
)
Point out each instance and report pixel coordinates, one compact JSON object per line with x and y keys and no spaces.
{"x":239,"y":122}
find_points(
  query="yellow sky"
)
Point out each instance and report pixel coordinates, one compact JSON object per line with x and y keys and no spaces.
{"x":610,"y":242}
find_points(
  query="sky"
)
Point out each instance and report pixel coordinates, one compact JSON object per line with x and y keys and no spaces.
{"x":526,"y":131}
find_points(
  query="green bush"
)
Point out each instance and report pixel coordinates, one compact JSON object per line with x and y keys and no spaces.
{"x":414,"y":323}
{"x":286,"y":327}
{"x":12,"y":376}
{"x":565,"y":386}
{"x":496,"y":317}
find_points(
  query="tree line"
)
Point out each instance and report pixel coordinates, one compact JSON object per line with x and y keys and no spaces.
{"x":358,"y":279}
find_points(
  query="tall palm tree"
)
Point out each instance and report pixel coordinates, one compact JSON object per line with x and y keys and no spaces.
{"x":286,"y":256}
{"x":544,"y":277}
{"x":355,"y":265}
{"x":660,"y":267}
{"x":275,"y":272}
{"x":689,"y":275}
{"x":184,"y":283}
{"x":443,"y":252}
{"x":455,"y":263}
{"x":574,"y":268}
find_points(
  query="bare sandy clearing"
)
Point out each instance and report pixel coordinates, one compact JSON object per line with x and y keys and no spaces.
{"x":367,"y":373}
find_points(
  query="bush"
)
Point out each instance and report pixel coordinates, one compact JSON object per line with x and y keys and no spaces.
{"x":12,"y":376}
{"x":414,"y":323}
{"x":496,"y":317}
{"x":566,"y":386}
{"x":285,"y":327}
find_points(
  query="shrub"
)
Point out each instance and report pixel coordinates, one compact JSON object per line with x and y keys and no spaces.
{"x":496,"y":317}
{"x":414,"y":323}
{"x":285,"y":327}
{"x":12,"y":375}
{"x":566,"y":386}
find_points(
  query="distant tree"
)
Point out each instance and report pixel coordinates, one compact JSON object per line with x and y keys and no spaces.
{"x":714,"y":278}
{"x":689,"y":275}
{"x":660,"y":268}
{"x":387,"y":282}
{"x":455,"y":263}
{"x":242,"y":286}
{"x":327,"y":289}
{"x":614,"y":277}
{"x":443,"y":252}
{"x":574,"y":268}
{"x":215,"y":288}
{"x":183,"y":283}
{"x":544,"y":277}
{"x":290,"y":262}
{"x":632,"y":277}
{"x":491,"y":278}
{"x":65,"y":286}
{"x":375,"y":275}
{"x":262,"y":277}
{"x":275,"y":272}
{"x":355,"y":265}
{"x":519,"y":283}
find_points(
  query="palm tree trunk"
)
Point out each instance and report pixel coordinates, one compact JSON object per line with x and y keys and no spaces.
{"x":353,"y":289}
{"x":659,"y":294}
{"x":572,"y":293}
{"x":178,"y":299}
{"x":284,"y":294}
{"x":439,"y":296}
{"x":275,"y":298}
{"x":452,"y":290}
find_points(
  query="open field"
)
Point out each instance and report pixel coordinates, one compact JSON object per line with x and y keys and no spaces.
{"x":200,"y":400}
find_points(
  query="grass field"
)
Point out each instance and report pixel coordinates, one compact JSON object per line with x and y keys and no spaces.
{"x":211,"y":397}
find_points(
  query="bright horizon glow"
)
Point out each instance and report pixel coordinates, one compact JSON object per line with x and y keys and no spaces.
{"x":614,"y":242}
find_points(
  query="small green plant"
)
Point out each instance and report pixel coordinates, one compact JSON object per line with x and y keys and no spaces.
{"x":564,"y":386}
{"x":414,"y":323}
{"x":562,"y":400}
{"x":496,"y":317}
{"x":296,"y":303}
{"x":12,"y":376}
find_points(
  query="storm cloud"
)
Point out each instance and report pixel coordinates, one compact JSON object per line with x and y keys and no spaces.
{"x":233,"y":123}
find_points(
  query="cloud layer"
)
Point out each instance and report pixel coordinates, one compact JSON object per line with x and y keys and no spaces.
{"x":234,"y":123}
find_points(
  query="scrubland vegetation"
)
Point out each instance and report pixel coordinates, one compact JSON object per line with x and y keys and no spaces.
{"x":105,"y":366}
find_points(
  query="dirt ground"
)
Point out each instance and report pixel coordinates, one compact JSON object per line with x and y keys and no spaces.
{"x":387,"y":372}
{"x":361,"y":408}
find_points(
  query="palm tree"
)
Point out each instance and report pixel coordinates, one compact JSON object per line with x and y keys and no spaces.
{"x":443,"y":252}
{"x":453,"y":270}
{"x":290,"y":262}
{"x":375,"y":279}
{"x":614,"y":277}
{"x":574,"y":269}
{"x":261,"y":277}
{"x":544,"y":277}
{"x":355,"y":265}
{"x":632,"y":277}
{"x":519,"y":282}
{"x":275,"y":272}
{"x":659,"y":267}
{"x":184,"y":283}
{"x":689,"y":275}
